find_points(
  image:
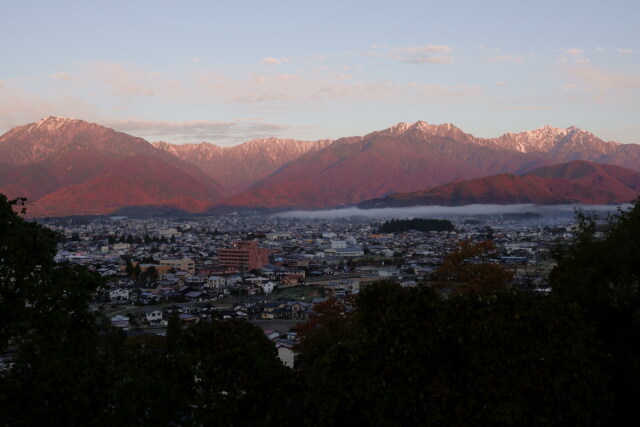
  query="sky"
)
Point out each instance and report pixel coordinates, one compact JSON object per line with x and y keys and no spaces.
{"x":230,"y":71}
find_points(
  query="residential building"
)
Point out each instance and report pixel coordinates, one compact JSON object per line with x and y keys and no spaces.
{"x":184,"y":264}
{"x":244,"y":255}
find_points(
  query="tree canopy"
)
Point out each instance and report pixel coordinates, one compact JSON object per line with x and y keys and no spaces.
{"x":486,"y":354}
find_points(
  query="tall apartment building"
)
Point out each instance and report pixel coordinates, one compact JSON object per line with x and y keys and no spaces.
{"x":246,"y":255}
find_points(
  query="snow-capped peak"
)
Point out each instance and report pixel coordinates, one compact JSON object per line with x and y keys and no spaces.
{"x":50,"y":123}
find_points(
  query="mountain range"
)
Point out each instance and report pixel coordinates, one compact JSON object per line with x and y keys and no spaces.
{"x":67,"y":166}
{"x":239,"y":166}
{"x":578,"y":181}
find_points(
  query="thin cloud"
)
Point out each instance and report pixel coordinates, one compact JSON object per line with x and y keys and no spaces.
{"x":217,"y":132}
{"x":62,"y":76}
{"x":429,"y":54}
{"x":271,"y":61}
{"x":625,"y":50}
{"x":575,"y":54}
{"x":605,"y":79}
{"x":505,"y":58}
{"x":121,"y":80}
{"x":444,"y":92}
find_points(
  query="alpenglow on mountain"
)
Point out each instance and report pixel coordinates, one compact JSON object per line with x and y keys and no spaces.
{"x":239,"y":166}
{"x":67,"y":166}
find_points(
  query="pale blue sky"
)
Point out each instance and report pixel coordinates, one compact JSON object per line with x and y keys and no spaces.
{"x":226,"y":72}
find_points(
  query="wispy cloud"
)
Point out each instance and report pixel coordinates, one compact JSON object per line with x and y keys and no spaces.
{"x":122,"y":80}
{"x":577,"y":55}
{"x":606,"y":79}
{"x":271,"y":61}
{"x":625,"y":50}
{"x":505,"y":58}
{"x":275,"y":61}
{"x":19,"y":105}
{"x":62,"y":76}
{"x":431,"y":54}
{"x":445,"y":92}
{"x":217,"y":132}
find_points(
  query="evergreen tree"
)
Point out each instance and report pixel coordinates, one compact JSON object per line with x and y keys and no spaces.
{"x":602,"y":275}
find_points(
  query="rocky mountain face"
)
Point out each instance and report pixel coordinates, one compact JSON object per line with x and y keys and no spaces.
{"x":412,"y":157}
{"x":50,"y":161}
{"x":57,"y":162}
{"x":240,"y":166}
{"x":577,"y":181}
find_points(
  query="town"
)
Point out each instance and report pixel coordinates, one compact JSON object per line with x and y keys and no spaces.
{"x":272,"y":270}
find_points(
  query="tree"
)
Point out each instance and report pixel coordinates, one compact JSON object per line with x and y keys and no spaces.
{"x":137,"y":271}
{"x":174,"y":333}
{"x":64,"y":373}
{"x":150,"y":274}
{"x":130,"y":269}
{"x":406,"y":356}
{"x":602,"y":275}
{"x":239,"y":377}
{"x":469,"y":268}
{"x":26,"y":255}
{"x":44,"y":315}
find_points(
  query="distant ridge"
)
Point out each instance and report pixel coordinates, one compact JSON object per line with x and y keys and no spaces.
{"x":573,"y":182}
{"x":66,"y":165}
{"x":412,"y":157}
{"x":239,"y":166}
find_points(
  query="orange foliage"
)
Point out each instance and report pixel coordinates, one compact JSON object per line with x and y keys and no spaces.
{"x":469,"y":269}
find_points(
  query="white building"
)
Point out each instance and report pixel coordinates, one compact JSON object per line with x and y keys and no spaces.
{"x":338,"y":244}
{"x":120,"y":294}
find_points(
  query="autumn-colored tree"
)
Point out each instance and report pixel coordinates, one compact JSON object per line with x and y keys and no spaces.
{"x":469,"y":268}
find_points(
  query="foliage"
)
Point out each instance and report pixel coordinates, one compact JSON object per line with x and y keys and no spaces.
{"x":150,"y":274}
{"x":469,"y":269}
{"x":602,"y":274}
{"x":238,"y":377}
{"x":26,"y":255}
{"x":45,"y":318}
{"x":408,"y":357}
{"x":418,"y":224}
{"x":487,"y":354}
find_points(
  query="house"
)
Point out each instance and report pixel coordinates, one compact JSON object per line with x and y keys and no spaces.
{"x":194,"y":296}
{"x":215,"y":282}
{"x":300,"y":310}
{"x":153,"y":317}
{"x":286,"y":354}
{"x":120,"y":294}
{"x":184,"y":264}
{"x":271,"y":335}
{"x":269,"y":310}
{"x":107,"y":272}
{"x":188,"y":319}
{"x":195,"y":280}
{"x":168,"y":310}
{"x":120,"y":321}
{"x":344,"y":252}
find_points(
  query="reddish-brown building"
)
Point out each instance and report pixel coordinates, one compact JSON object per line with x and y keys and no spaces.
{"x":243,"y":255}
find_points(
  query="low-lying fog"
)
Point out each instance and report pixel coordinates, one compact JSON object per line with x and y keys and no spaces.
{"x":447,"y":211}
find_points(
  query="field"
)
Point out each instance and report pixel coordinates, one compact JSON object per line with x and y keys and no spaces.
{"x":305,"y":293}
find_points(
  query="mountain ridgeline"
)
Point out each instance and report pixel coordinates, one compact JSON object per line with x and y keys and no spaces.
{"x":67,"y":166}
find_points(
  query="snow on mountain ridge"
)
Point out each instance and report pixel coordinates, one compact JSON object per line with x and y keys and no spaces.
{"x":51,"y":124}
